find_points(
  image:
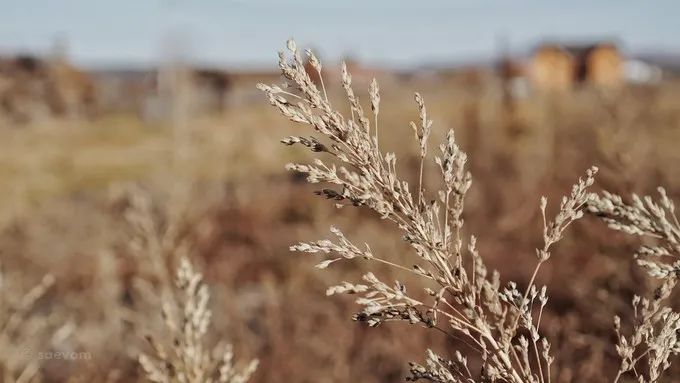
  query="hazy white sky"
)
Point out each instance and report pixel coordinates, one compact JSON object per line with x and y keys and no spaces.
{"x":246,"y":32}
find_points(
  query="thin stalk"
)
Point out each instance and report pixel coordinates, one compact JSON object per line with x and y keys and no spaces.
{"x":446,"y":222}
{"x":420,"y":180}
{"x":538,"y":360}
{"x":375,"y":122}
{"x":323,"y":87}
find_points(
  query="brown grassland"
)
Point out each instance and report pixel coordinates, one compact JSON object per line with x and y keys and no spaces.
{"x":105,"y":206}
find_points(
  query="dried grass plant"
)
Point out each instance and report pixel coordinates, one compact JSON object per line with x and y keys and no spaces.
{"x":655,"y":338}
{"x":182,"y":349}
{"x":187,"y":321}
{"x":495,"y":324}
{"x":24,"y":328}
{"x":181,"y":346}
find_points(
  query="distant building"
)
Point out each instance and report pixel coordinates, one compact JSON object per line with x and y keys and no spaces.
{"x":551,"y":68}
{"x":512,"y":74}
{"x":153,"y":93}
{"x":212,"y":86}
{"x":640,"y":72}
{"x":124,"y":91}
{"x":561,"y":67}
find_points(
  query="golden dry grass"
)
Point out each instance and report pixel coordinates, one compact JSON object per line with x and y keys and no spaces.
{"x":61,"y":213}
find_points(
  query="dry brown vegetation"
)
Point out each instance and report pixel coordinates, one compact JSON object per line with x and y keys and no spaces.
{"x":97,"y":215}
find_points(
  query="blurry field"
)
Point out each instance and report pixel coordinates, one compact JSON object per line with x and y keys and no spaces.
{"x":61,"y":212}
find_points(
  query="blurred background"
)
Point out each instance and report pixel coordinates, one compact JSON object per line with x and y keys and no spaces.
{"x":151,"y":107}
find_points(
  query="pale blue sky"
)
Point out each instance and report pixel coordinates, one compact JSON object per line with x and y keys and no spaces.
{"x":245,"y":32}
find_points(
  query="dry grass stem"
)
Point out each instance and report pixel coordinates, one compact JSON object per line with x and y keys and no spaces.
{"x":189,"y":360}
{"x":655,"y":338}
{"x":499,"y":322}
